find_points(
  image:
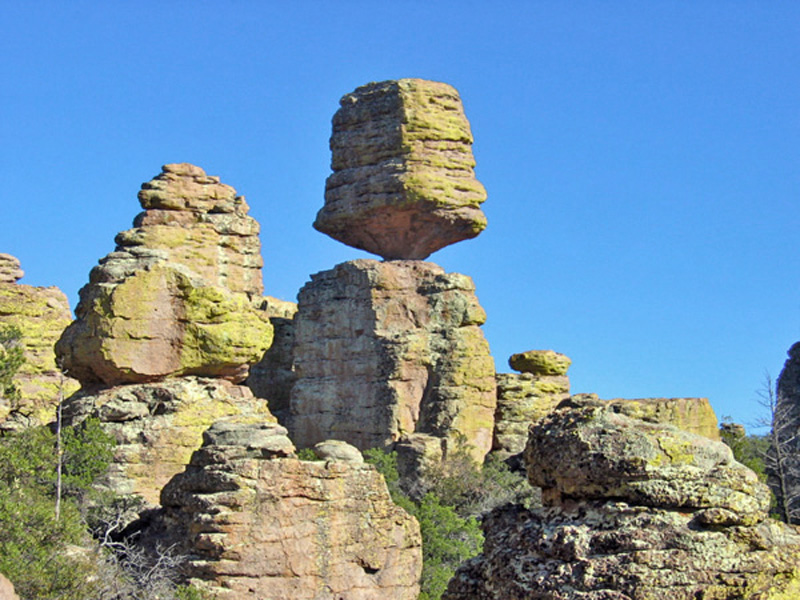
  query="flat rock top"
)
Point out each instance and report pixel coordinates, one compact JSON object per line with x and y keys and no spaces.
{"x":9,"y":269}
{"x":403,"y":183}
{"x":540,"y":362}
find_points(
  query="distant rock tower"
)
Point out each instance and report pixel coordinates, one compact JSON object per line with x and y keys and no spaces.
{"x":384,"y":351}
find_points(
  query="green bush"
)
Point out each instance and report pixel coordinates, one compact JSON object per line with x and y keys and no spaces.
{"x":11,"y":359}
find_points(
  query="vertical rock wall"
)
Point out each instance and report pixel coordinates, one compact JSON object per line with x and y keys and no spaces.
{"x":384,"y":349}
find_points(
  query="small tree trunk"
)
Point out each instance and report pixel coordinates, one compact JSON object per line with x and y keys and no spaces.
{"x":59,"y":449}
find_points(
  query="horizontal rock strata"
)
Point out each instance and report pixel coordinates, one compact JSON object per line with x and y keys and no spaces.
{"x":258,"y":523}
{"x":384,"y":349}
{"x":177,"y":295}
{"x":157,"y":426}
{"x":41,"y":314}
{"x":403,"y":183}
{"x":635,"y":511}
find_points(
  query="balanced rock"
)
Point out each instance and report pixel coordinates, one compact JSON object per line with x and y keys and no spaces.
{"x":386,"y":349}
{"x":178,"y":295}
{"x":40,"y":314}
{"x":784,"y":453}
{"x":634,"y":511}
{"x":403,"y":182}
{"x":540,"y":362}
{"x":257,"y":523}
{"x":157,"y":426}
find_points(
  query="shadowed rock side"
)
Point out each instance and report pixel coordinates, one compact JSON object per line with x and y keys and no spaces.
{"x":403,"y":183}
{"x":41,"y":314}
{"x":176,"y":296}
{"x":158,"y":425}
{"x":386,"y":349}
{"x":784,"y":461}
{"x":258,"y":523}
{"x":633,"y":511}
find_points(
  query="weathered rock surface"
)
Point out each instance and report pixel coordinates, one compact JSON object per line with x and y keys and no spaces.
{"x":7,"y":589}
{"x":540,"y":362}
{"x":385,"y":349}
{"x":258,"y":523}
{"x":273,"y":376}
{"x":159,"y":425}
{"x":403,"y":182}
{"x":786,"y":428}
{"x":525,"y":398}
{"x":694,"y":415}
{"x":41,"y":314}
{"x":635,"y":511}
{"x":177,"y":295}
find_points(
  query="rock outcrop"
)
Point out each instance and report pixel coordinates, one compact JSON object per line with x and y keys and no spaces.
{"x":784,"y":454}
{"x":694,"y":415}
{"x":526,"y":397}
{"x":403,"y":184}
{"x":41,"y":314}
{"x":157,"y":426}
{"x":178,"y":295}
{"x":273,"y":376}
{"x":7,"y":589}
{"x":258,"y":523}
{"x":386,"y":349}
{"x":634,"y":511}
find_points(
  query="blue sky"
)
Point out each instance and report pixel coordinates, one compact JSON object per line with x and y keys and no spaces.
{"x":641,"y":159}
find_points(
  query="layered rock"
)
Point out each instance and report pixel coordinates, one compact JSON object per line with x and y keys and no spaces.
{"x":258,"y":523}
{"x":386,"y":349}
{"x":694,"y":415}
{"x":526,"y":397}
{"x":273,"y":376}
{"x":157,"y":426}
{"x":784,"y":454}
{"x":403,"y":182}
{"x":635,"y":511}
{"x":41,"y":314}
{"x":177,"y":295}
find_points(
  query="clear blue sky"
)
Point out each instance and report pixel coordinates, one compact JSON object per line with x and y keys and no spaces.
{"x":641,"y":158}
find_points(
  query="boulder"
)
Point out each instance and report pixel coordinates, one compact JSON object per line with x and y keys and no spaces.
{"x":337,"y":450}
{"x":178,"y":296}
{"x":694,"y":415}
{"x":7,"y":589}
{"x":157,"y":426}
{"x":634,"y":510}
{"x":540,"y":362}
{"x":385,"y":349}
{"x":403,"y":182}
{"x":257,"y":523}
{"x":41,"y":314}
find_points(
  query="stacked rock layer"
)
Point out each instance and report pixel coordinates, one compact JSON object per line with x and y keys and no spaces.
{"x":387,"y":349}
{"x":634,"y":511}
{"x":403,"y":182}
{"x":177,"y":295}
{"x":784,"y":453}
{"x":40,"y":314}
{"x":258,"y":523}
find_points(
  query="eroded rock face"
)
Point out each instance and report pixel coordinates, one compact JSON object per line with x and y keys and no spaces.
{"x":694,"y":415}
{"x":525,"y":398}
{"x":786,"y":426}
{"x":177,"y":296}
{"x":41,"y":314}
{"x":258,"y":523}
{"x":384,"y":349}
{"x":159,"y":425}
{"x":634,"y":511}
{"x":403,"y":183}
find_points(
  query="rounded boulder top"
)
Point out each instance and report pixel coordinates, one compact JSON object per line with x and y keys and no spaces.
{"x":9,"y":269}
{"x":403,"y":182}
{"x":540,"y":362}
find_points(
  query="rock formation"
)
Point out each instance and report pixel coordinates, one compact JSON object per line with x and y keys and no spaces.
{"x":273,"y":376}
{"x":403,"y":184}
{"x":7,"y":589}
{"x":177,"y":295}
{"x":258,"y":523}
{"x":41,"y":314}
{"x":694,"y":415}
{"x":385,"y":349}
{"x":524,"y":398}
{"x":158,"y":425}
{"x":783,"y":464}
{"x":634,"y":511}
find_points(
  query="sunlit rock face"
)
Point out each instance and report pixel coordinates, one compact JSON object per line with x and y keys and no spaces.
{"x":179,"y":294}
{"x":387,"y":349}
{"x":40,"y":314}
{"x":257,"y":523}
{"x":634,"y":510}
{"x":403,"y":182}
{"x":784,"y":454}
